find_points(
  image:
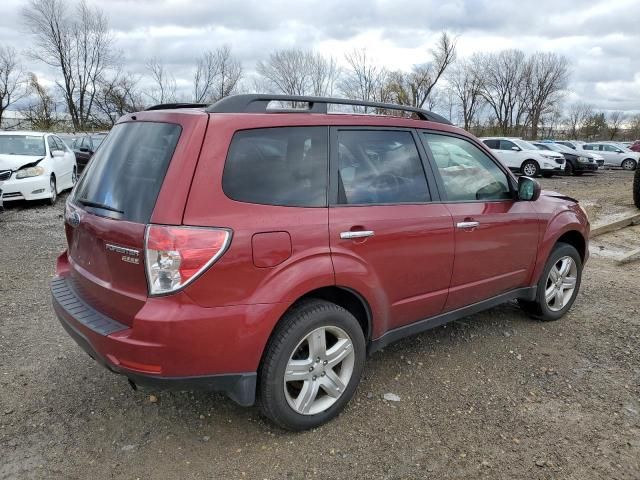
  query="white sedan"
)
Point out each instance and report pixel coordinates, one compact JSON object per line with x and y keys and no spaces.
{"x":35,"y":166}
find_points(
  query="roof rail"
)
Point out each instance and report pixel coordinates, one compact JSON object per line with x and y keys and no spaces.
{"x":171,"y":106}
{"x":258,"y":103}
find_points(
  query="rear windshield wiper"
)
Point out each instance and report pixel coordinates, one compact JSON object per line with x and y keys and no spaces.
{"x":88,"y":203}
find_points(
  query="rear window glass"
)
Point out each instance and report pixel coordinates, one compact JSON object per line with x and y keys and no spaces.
{"x":278,"y":166}
{"x":124,"y":178}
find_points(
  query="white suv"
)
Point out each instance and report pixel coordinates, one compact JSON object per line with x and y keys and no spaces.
{"x":615,"y":155}
{"x":524,"y":157}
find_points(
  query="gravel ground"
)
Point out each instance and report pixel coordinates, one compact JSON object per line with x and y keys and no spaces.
{"x":496,"y":395}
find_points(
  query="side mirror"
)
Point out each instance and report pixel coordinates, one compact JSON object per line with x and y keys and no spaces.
{"x":517,"y":149}
{"x":57,"y":153}
{"x":618,"y":150}
{"x":528,"y":189}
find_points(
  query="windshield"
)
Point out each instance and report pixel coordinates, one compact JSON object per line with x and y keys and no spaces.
{"x":32,"y":145}
{"x":98,"y":140}
{"x":562,"y":148}
{"x":525,"y":145}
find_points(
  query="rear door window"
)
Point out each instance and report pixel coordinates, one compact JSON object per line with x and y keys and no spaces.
{"x":506,"y":145}
{"x":379,"y":167}
{"x":124,"y":178}
{"x":284,"y":166}
{"x":493,"y":144}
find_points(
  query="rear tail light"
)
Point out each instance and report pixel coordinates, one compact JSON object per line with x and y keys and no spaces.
{"x":175,"y":256}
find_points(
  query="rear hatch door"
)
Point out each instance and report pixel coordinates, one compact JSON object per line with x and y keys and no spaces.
{"x":140,"y":175}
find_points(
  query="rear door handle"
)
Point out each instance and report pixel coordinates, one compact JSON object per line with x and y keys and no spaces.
{"x":465,"y":225}
{"x":357,"y":234}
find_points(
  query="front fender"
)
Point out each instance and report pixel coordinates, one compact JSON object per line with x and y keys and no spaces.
{"x":565,"y":221}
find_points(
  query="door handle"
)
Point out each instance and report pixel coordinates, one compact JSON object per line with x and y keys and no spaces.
{"x":356,"y":234}
{"x":465,"y":225}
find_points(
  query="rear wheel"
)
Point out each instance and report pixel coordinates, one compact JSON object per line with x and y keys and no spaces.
{"x":530,"y":168}
{"x":74,"y":177}
{"x":558,"y":285}
{"x":312,"y":365}
{"x":54,"y":191}
{"x":628,"y":164}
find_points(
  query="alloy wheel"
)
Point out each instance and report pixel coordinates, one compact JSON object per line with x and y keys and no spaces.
{"x":561,"y":283}
{"x":319,"y":370}
{"x":628,"y":164}
{"x":529,"y":169}
{"x":54,"y":192}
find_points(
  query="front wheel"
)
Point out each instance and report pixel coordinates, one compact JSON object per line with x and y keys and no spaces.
{"x":54,"y":191}
{"x":558,"y":285}
{"x":628,"y":164}
{"x":312,"y":365}
{"x":530,"y":168}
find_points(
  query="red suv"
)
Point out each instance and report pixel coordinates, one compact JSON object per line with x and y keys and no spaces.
{"x":264,"y":251}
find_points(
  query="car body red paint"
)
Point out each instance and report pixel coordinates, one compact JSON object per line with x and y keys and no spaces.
{"x":417,"y":266}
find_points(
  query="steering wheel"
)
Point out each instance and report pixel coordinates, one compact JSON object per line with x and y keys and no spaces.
{"x":385,"y":184}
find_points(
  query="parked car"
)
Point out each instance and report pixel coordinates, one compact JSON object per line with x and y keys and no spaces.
{"x":615,"y":155}
{"x":521,"y":156}
{"x":635,"y":147}
{"x":35,"y":166}
{"x":262,"y":252}
{"x":577,"y":162}
{"x":85,"y":146}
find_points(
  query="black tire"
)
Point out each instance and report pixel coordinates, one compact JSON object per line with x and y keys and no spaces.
{"x":539,"y":308}
{"x":530,"y":168}
{"x":54,"y":191}
{"x":628,"y":164}
{"x":296,"y":324}
{"x":636,"y":188}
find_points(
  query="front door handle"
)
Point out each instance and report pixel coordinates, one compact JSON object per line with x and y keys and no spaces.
{"x":466,"y":225}
{"x":357,"y":234}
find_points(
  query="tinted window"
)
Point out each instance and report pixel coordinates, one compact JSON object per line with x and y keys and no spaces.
{"x":542,"y":146}
{"x":506,"y":145}
{"x":495,"y":144}
{"x":587,"y":147}
{"x":127,"y":172}
{"x":379,"y":167}
{"x":278,"y":166}
{"x":467,"y":173}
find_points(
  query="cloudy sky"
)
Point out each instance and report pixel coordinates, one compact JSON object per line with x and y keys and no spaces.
{"x":600,"y":37}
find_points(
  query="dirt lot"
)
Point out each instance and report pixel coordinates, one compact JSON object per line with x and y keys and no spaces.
{"x":497,"y":395}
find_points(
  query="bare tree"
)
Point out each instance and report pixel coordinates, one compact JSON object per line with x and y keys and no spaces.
{"x":363,"y":80}
{"x":40,"y":113}
{"x":13,"y":81}
{"x":545,"y":79}
{"x":217,"y":75}
{"x":117,"y":96}
{"x":78,"y":44}
{"x":503,"y":89}
{"x":164,"y":83}
{"x":465,"y":82}
{"x":578,"y":115}
{"x":298,"y":72}
{"x":614,"y":125}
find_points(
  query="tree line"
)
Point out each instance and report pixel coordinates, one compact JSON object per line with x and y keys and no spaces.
{"x":498,"y":93}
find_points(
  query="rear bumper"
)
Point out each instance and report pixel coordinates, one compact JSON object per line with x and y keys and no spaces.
{"x":121,"y":350}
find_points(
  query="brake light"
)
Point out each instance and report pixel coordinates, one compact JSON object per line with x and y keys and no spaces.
{"x":175,"y":256}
